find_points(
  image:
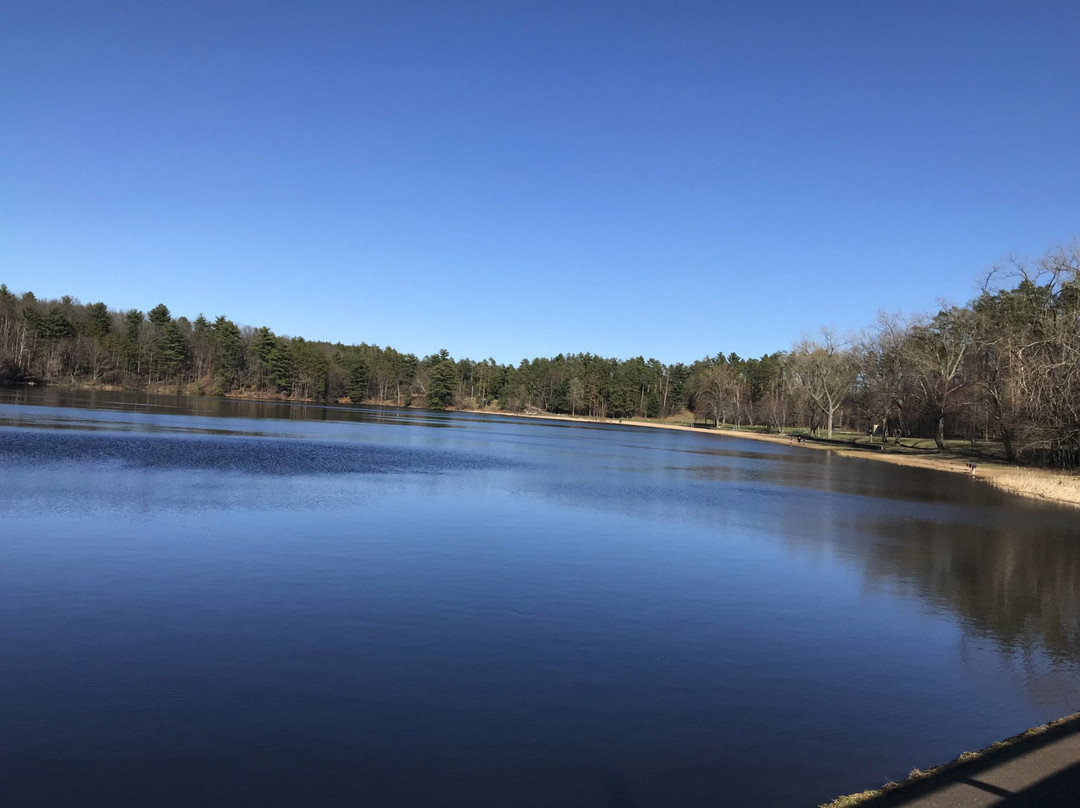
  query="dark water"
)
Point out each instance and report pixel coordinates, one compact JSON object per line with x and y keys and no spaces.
{"x":215,"y":603}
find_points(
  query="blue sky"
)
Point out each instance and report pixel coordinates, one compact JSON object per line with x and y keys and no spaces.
{"x":514,"y":180}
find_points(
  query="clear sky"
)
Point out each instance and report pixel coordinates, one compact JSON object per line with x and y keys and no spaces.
{"x":672,"y":179}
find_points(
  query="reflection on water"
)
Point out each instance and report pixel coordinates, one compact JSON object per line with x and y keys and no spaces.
{"x":1012,"y":582}
{"x":216,"y":602}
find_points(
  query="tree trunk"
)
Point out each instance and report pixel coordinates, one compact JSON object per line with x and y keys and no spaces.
{"x":1006,"y":440}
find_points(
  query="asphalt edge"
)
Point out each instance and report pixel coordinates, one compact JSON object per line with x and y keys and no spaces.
{"x":919,"y":782}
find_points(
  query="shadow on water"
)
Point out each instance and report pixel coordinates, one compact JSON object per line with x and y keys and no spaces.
{"x":616,"y":796}
{"x":274,"y":780}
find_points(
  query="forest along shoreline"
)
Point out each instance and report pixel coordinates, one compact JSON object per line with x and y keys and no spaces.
{"x":1050,"y":485}
{"x":995,"y":378}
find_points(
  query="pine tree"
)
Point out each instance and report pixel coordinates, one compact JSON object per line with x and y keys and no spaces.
{"x":443,"y":382}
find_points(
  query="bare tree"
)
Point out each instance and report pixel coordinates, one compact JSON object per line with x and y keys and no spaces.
{"x":936,"y":350}
{"x":824,"y":371}
{"x":882,"y":372}
{"x":716,"y":392}
{"x":1031,"y":336}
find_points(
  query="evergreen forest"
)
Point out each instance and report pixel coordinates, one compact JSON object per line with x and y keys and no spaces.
{"x":1005,"y":367}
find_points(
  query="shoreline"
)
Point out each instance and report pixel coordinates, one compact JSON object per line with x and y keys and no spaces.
{"x":1027,"y":760}
{"x":1058,"y":487}
{"x":1046,"y":485}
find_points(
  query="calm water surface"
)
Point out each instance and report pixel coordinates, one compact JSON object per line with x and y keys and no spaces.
{"x":206,"y":602}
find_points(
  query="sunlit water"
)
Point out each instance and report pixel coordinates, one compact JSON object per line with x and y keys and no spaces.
{"x":218,"y":603}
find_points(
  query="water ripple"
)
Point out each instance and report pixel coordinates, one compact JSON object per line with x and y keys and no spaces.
{"x":276,"y":456}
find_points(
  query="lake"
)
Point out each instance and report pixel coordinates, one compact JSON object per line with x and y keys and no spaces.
{"x":207,"y":602}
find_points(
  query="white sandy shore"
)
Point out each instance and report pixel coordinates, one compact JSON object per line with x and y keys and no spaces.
{"x":1045,"y":484}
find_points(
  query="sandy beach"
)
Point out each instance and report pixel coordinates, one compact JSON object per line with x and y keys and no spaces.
{"x":1045,"y":484}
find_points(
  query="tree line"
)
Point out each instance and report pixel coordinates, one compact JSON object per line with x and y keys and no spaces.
{"x":1004,"y":367}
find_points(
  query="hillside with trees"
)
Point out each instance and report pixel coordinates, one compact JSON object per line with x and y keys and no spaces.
{"x":1004,"y":367}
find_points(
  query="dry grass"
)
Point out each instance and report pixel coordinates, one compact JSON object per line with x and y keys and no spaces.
{"x":1041,"y":483}
{"x":850,"y":800}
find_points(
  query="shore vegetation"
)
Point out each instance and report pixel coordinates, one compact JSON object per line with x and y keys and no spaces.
{"x":996,"y":381}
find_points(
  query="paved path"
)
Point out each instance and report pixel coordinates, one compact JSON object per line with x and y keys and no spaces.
{"x":1032,"y":771}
